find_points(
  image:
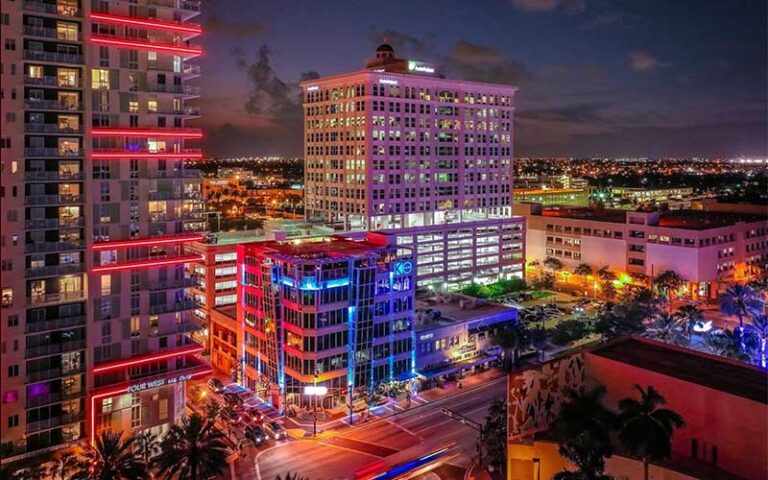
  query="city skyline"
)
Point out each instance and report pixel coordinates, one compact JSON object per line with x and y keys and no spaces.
{"x":594,"y":79}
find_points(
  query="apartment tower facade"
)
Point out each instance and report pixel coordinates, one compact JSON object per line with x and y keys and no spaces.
{"x":399,"y":149}
{"x":96,"y":207}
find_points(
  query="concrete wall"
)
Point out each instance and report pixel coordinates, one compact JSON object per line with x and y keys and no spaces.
{"x":599,"y":251}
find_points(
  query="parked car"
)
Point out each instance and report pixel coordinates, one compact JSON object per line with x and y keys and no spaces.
{"x":230,"y":416}
{"x":215,"y":385}
{"x":256,"y":434}
{"x":252,"y":417}
{"x":276,"y":431}
{"x":232,"y":400}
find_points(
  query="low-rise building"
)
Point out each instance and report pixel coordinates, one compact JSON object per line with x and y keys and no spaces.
{"x":453,"y":334}
{"x":724,"y":404}
{"x":705,"y":248}
{"x":553,"y":196}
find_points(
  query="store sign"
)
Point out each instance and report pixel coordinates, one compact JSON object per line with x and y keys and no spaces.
{"x":414,"y":66}
{"x":139,"y":387}
{"x":404,"y":267}
{"x":313,"y":390}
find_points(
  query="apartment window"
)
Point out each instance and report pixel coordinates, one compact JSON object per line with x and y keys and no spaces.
{"x":13,"y":370}
{"x":152,"y":56}
{"x":100,"y":78}
{"x":66,"y":31}
{"x":10,"y":44}
{"x":35,"y":71}
{"x":106,"y":285}
{"x":152,"y":104}
{"x":13,"y":320}
{"x":13,"y":421}
{"x":103,"y":56}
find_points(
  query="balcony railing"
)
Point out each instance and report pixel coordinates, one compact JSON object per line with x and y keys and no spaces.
{"x":36,"y":31}
{"x":42,"y":375}
{"x":175,"y":328}
{"x":174,"y":196}
{"x":55,"y":324}
{"x":191,"y":70}
{"x":55,"y":222}
{"x":51,"y":270}
{"x":51,"y":247}
{"x":54,"y":422}
{"x":54,"y":397}
{"x":172,"y":307}
{"x":179,"y":4}
{"x":52,"y":152}
{"x":170,"y":284}
{"x":57,"y":297}
{"x":54,"y":348}
{"x":50,"y":128}
{"x":177,"y":89}
{"x":50,"y":8}
{"x":49,"y":81}
{"x":122,"y":153}
{"x":186,"y":173}
{"x":57,"y":105}
{"x":53,"y":199}
{"x":54,"y":57}
{"x":52,"y":175}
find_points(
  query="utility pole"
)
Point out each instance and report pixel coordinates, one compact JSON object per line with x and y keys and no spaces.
{"x":471,"y":424}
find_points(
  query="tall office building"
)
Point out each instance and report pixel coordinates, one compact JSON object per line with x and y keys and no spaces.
{"x":325,"y":311}
{"x":397,"y":148}
{"x":96,"y":207}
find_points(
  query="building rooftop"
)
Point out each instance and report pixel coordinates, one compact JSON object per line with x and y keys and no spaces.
{"x":456,"y":308}
{"x":583,"y":213}
{"x":316,"y":248}
{"x":734,"y":378}
{"x":228,"y":311}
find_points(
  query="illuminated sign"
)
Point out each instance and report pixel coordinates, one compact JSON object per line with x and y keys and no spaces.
{"x":314,"y":390}
{"x":403,"y":267}
{"x":426,"y":336}
{"x":158,"y":383}
{"x":414,"y":66}
{"x":313,"y":88}
{"x":387,"y":81}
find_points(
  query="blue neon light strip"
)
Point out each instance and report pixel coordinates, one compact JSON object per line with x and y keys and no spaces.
{"x":309,"y":283}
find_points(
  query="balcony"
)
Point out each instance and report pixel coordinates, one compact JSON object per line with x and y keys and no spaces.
{"x":52,"y":176}
{"x":175,"y":328}
{"x":148,"y":44}
{"x":42,"y":375}
{"x":69,"y":222}
{"x":149,"y":23}
{"x":54,"y":422}
{"x":169,"y":284}
{"x":35,"y":31}
{"x":54,"y":348}
{"x":175,"y":196}
{"x":172,"y":307}
{"x":147,"y":132}
{"x":188,"y":153}
{"x":55,"y":270}
{"x":50,"y":8}
{"x":176,"y":89}
{"x":53,"y":247}
{"x":55,"y":397}
{"x":51,"y":128}
{"x":38,"y":200}
{"x":191,"y":70}
{"x":49,"y":81}
{"x":51,"y":153}
{"x":55,"y":324}
{"x":57,"y":297}
{"x":186,"y":173}
{"x":191,"y":5}
{"x":54,"y":105}
{"x":53,"y":57}
{"x":144,"y":264}
{"x":188,"y":112}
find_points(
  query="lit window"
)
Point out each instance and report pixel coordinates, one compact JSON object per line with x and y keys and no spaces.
{"x":152,"y":56}
{"x":100,"y":78}
{"x":35,"y":71}
{"x":152,"y":104}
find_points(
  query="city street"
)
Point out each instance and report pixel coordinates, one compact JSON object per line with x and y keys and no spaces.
{"x":338,"y":456}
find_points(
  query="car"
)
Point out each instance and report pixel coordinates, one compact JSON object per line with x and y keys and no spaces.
{"x":252,"y":404}
{"x":276,"y":431}
{"x":256,"y":434}
{"x":252,"y":417}
{"x":215,"y":385}
{"x":230,"y":416}
{"x":234,"y":388}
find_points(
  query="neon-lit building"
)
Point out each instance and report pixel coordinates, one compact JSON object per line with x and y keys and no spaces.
{"x":396,"y":147}
{"x":327,"y":311}
{"x":96,"y":208}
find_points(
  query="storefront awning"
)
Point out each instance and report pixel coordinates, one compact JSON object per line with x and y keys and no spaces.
{"x":457,"y":367}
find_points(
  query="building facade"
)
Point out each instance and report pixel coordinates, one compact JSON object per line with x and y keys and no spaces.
{"x":704,"y":248}
{"x":396,"y":147}
{"x":325,"y":311}
{"x":96,"y":207}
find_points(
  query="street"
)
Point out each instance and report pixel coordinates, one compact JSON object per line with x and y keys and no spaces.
{"x":338,"y":455}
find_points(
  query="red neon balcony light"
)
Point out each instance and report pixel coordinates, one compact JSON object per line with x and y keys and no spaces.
{"x":148,"y":358}
{"x":147,"y":46}
{"x":145,"y":264}
{"x":132,"y":155}
{"x":141,"y":242}
{"x":147,"y":132}
{"x":154,"y":24}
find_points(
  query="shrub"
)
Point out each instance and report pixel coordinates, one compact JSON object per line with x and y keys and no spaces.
{"x":568,"y":331}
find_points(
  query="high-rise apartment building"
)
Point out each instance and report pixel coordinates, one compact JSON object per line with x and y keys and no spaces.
{"x":325,"y":311}
{"x":397,"y":148}
{"x":96,"y":208}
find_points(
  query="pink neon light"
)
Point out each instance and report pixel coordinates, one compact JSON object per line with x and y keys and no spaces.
{"x":147,"y":46}
{"x":145,"y":263}
{"x":131,"y":155}
{"x":140,"y":242}
{"x":120,"y":20}
{"x":147,"y":132}
{"x":144,"y":359}
{"x":121,"y":390}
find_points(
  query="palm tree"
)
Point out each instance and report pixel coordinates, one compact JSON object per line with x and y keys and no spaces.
{"x":583,"y":270}
{"x":291,"y":476}
{"x":64,"y":465}
{"x":668,"y":281}
{"x":727,"y":343}
{"x":667,"y":328}
{"x":113,"y":457}
{"x":740,"y":301}
{"x":691,"y":317}
{"x":605,"y":274}
{"x":582,"y":413}
{"x":212,"y":409}
{"x":759,"y":328}
{"x":508,"y":339}
{"x":147,"y":446}
{"x":553,"y":264}
{"x":193,"y":450}
{"x":589,"y":461}
{"x":645,"y":429}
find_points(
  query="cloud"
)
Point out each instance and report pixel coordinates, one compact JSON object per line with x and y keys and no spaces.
{"x":548,"y":5}
{"x":233,"y":28}
{"x":642,"y":61}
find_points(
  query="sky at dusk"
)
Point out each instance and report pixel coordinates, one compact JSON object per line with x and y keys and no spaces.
{"x":595,"y":78}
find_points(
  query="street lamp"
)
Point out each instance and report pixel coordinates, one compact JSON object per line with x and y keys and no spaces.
{"x":314,"y":392}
